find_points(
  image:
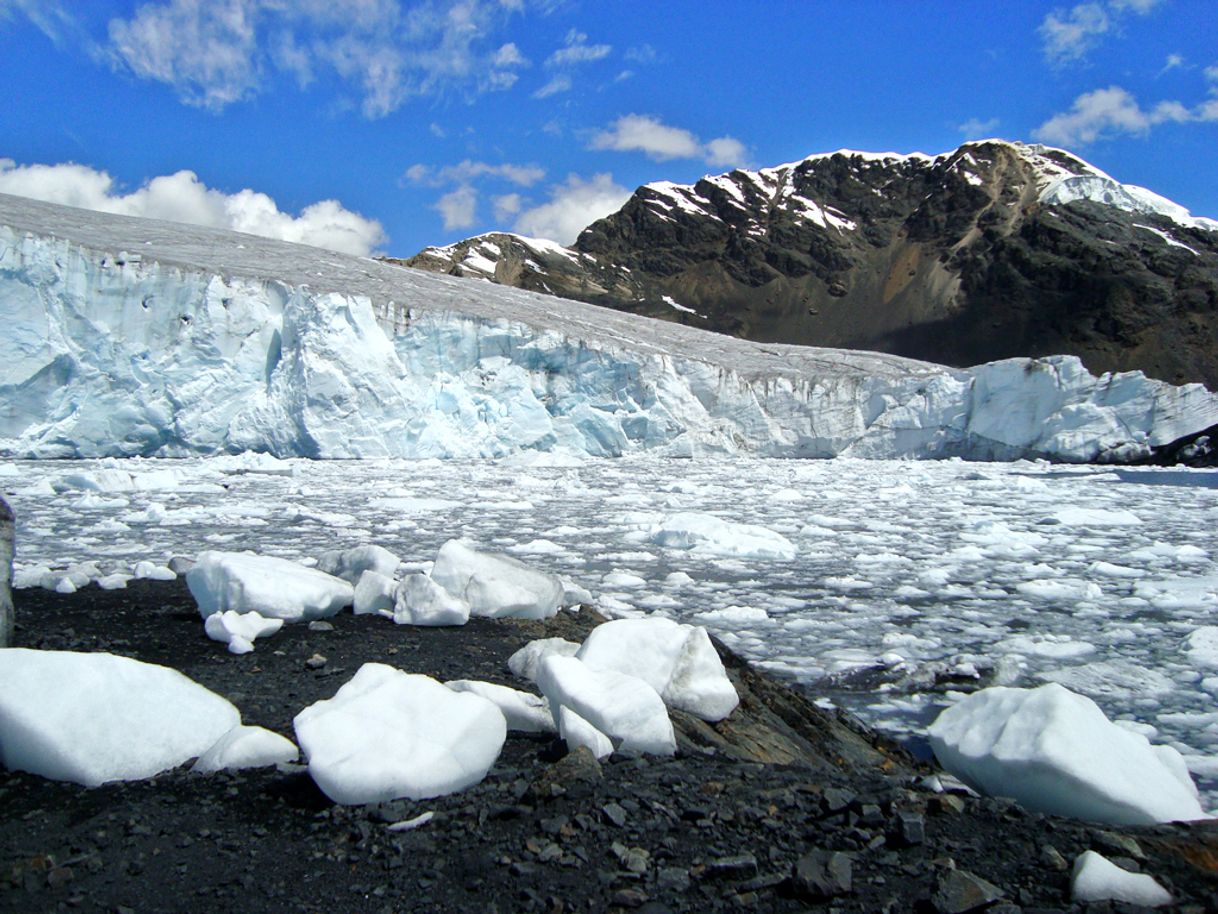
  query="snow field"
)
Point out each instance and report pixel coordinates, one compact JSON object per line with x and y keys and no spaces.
{"x":907,"y":574}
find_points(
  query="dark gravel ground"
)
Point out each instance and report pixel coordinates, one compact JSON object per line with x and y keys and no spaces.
{"x":782,"y":808}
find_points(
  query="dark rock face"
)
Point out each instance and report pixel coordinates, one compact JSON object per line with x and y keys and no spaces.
{"x":6,"y":574}
{"x":955,"y":259}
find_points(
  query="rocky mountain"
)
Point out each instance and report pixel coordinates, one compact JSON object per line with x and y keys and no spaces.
{"x":991,"y":251}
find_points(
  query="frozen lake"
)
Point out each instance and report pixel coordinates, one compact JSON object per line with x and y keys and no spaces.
{"x":906,"y":577}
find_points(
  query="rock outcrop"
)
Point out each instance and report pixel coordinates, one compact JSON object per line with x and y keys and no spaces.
{"x":991,"y":251}
{"x":6,"y":574}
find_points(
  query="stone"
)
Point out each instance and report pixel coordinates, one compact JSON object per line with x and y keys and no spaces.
{"x":738,"y":866}
{"x":822,"y":874}
{"x":6,"y":574}
{"x":909,"y":829}
{"x":959,"y":891}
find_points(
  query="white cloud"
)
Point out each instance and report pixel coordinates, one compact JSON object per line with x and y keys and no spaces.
{"x":577,"y":51}
{"x":205,"y":49}
{"x":182,"y":197}
{"x":458,"y":207}
{"x":1068,"y":35}
{"x":507,"y":206}
{"x":725,"y":152}
{"x":573,"y":206}
{"x":49,"y":17}
{"x":217,"y":52}
{"x":1111,"y":112}
{"x":975,"y":128}
{"x":560,"y":83}
{"x":660,"y":141}
{"x":468,"y":171}
{"x":1173,"y":62}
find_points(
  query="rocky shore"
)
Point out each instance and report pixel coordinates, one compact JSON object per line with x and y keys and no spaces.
{"x":782,"y":807}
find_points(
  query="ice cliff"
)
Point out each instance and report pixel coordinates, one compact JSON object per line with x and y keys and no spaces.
{"x":126,"y":336}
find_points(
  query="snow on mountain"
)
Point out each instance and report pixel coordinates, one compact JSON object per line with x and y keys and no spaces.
{"x":128,"y":336}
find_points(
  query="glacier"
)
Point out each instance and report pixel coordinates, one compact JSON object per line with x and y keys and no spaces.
{"x":133,"y":337}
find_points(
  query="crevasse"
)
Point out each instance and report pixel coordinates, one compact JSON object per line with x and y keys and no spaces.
{"x":208,"y":342}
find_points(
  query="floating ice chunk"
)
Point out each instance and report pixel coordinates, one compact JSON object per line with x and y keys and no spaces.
{"x":523,"y":712}
{"x":246,"y":747}
{"x":349,"y":564}
{"x":1202,"y":646}
{"x":151,"y":571}
{"x":734,"y":616}
{"x":387,"y":734}
{"x":707,"y":533}
{"x":1096,"y":878}
{"x":1055,"y":752}
{"x":92,"y":718}
{"x":274,"y":587}
{"x":496,"y":585}
{"x":1061,"y":590}
{"x":577,"y":732}
{"x":374,"y":593}
{"x":620,"y":579}
{"x":1076,"y":516}
{"x":1118,"y":678}
{"x":524,"y":662}
{"x":624,"y":708}
{"x":678,"y":661}
{"x":421,"y":601}
{"x":240,"y":630}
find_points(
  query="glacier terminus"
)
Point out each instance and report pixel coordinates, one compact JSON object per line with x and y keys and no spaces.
{"x":129,"y":337}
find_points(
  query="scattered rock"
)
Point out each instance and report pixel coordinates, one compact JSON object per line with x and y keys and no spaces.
{"x":959,"y":891}
{"x":316,"y":662}
{"x":822,"y":874}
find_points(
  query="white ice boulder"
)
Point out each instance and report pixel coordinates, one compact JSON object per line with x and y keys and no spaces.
{"x":349,"y":564}
{"x":387,"y":734}
{"x":92,"y":718}
{"x":524,"y":712}
{"x":676,"y":660}
{"x":374,"y":593}
{"x":1055,"y":752}
{"x":524,"y":662}
{"x":240,"y":630}
{"x":577,"y":732}
{"x":714,"y":535}
{"x":274,"y":587}
{"x":246,"y":747}
{"x":421,"y":601}
{"x":624,"y":708}
{"x":496,"y":585}
{"x":1096,"y":878}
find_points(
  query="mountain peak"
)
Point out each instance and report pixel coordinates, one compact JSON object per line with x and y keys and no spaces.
{"x":990,"y":250}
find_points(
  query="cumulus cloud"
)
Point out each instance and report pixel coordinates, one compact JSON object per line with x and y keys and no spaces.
{"x":573,"y":205}
{"x":660,"y":141}
{"x":458,"y":208}
{"x":182,"y":197}
{"x":507,"y":206}
{"x":1068,"y":35}
{"x":1113,"y":111}
{"x":217,"y":52}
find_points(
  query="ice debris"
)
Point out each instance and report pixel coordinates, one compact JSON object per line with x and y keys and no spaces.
{"x":524,"y":712}
{"x":274,"y":587}
{"x":240,"y":630}
{"x":496,"y":585}
{"x":349,"y":564}
{"x":624,"y":708}
{"x":95,"y":717}
{"x":387,"y":734}
{"x":1096,"y":878}
{"x":676,"y":660}
{"x":1055,"y":752}
{"x":246,"y":747}
{"x":716,"y":536}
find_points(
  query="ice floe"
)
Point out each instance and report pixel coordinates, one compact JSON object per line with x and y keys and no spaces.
{"x":387,"y":734}
{"x":1056,"y":752}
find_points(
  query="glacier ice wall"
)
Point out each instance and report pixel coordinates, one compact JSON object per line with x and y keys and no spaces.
{"x":203,"y":341}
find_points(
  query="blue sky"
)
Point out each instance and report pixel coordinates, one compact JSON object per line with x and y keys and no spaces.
{"x":388,"y":125}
